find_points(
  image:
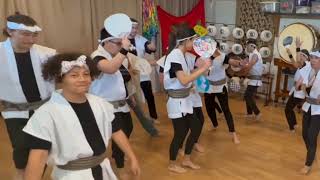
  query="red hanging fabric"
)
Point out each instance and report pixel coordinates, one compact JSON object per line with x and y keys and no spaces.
{"x":167,"y":20}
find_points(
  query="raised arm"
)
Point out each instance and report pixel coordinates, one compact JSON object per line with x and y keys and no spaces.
{"x":111,"y":66}
{"x":185,"y":79}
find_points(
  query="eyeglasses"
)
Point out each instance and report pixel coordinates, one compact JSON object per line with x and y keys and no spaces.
{"x":118,"y":43}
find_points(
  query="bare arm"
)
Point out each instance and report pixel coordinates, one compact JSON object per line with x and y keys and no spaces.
{"x":111,"y":66}
{"x":251,"y":63}
{"x":296,"y":63}
{"x":186,"y":79}
{"x":36,"y":163}
{"x":122,"y":141}
{"x":234,"y":62}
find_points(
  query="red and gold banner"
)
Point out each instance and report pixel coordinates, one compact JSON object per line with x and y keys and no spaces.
{"x":196,"y":15}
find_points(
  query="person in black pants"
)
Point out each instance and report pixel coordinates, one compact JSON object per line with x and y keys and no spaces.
{"x":21,"y":81}
{"x":177,"y":82}
{"x":144,"y":46}
{"x":296,"y":97}
{"x":254,"y":67}
{"x":218,"y":88}
{"x":311,"y":108}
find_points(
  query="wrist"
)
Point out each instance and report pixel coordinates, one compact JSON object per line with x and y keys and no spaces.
{"x":298,"y":49}
{"x":123,"y":51}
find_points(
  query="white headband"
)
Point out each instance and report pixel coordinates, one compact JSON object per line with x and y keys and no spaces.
{"x":17,"y":26}
{"x":304,"y":54}
{"x":106,"y":39}
{"x":134,"y":23}
{"x":315,"y":53}
{"x":180,"y":40}
{"x":66,"y":66}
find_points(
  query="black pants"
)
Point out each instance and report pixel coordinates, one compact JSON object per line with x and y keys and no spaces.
{"x":147,"y":91}
{"x":249,"y":96}
{"x":290,"y":115}
{"x":18,"y":140}
{"x":181,"y":126}
{"x":310,"y":131}
{"x":125,"y":122}
{"x":198,"y":114}
{"x":224,"y":103}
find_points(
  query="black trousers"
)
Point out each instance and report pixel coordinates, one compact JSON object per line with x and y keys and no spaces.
{"x":19,"y":141}
{"x":289,"y":110}
{"x":249,"y":96}
{"x":181,"y":126}
{"x":125,"y":122}
{"x":310,"y":131}
{"x":224,"y":104}
{"x":147,"y":91}
{"x":198,"y":114}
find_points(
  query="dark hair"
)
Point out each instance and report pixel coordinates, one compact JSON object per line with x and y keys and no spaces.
{"x":251,"y":41}
{"x":179,"y":31}
{"x":21,"y":19}
{"x":306,"y":52}
{"x":51,"y":70}
{"x":134,"y":20}
{"x":103,"y":35}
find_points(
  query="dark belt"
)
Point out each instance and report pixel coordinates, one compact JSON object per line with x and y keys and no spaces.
{"x":313,"y":101}
{"x":218,"y":83}
{"x":178,"y":93}
{"x":255,"y":77}
{"x":117,"y":104}
{"x":84,"y":163}
{"x":9,"y":106}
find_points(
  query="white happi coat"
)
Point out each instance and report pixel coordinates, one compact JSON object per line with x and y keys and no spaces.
{"x":299,"y":73}
{"x":10,"y":87}
{"x":56,"y":122}
{"x":140,"y":42}
{"x":217,"y":73}
{"x":314,"y":93}
{"x":194,"y":94}
{"x":257,"y":68}
{"x":176,"y":107}
{"x":109,"y":86}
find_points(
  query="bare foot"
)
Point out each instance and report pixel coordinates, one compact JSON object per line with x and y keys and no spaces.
{"x":199,"y":148}
{"x":176,"y":168}
{"x":258,"y":117}
{"x":155,"y":121}
{"x":305,"y":170}
{"x":213,"y":128}
{"x":190,"y":164}
{"x":181,"y":152}
{"x":249,"y":116}
{"x":235,"y":138}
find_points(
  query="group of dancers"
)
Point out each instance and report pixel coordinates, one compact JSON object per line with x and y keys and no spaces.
{"x":62,"y":109}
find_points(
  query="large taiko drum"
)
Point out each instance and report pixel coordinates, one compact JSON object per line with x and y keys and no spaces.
{"x":307,"y":34}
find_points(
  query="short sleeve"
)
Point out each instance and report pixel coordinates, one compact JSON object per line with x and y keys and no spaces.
{"x":174,"y":68}
{"x":98,"y":59}
{"x":40,"y":125}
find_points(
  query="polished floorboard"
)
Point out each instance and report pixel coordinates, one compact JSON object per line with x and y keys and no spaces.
{"x":268,"y":151}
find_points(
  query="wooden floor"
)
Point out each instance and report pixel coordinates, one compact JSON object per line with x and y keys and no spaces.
{"x":267,"y":150}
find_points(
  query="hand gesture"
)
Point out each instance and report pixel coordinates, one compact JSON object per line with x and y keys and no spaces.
{"x":288,"y":51}
{"x":125,"y":43}
{"x":298,"y":42}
